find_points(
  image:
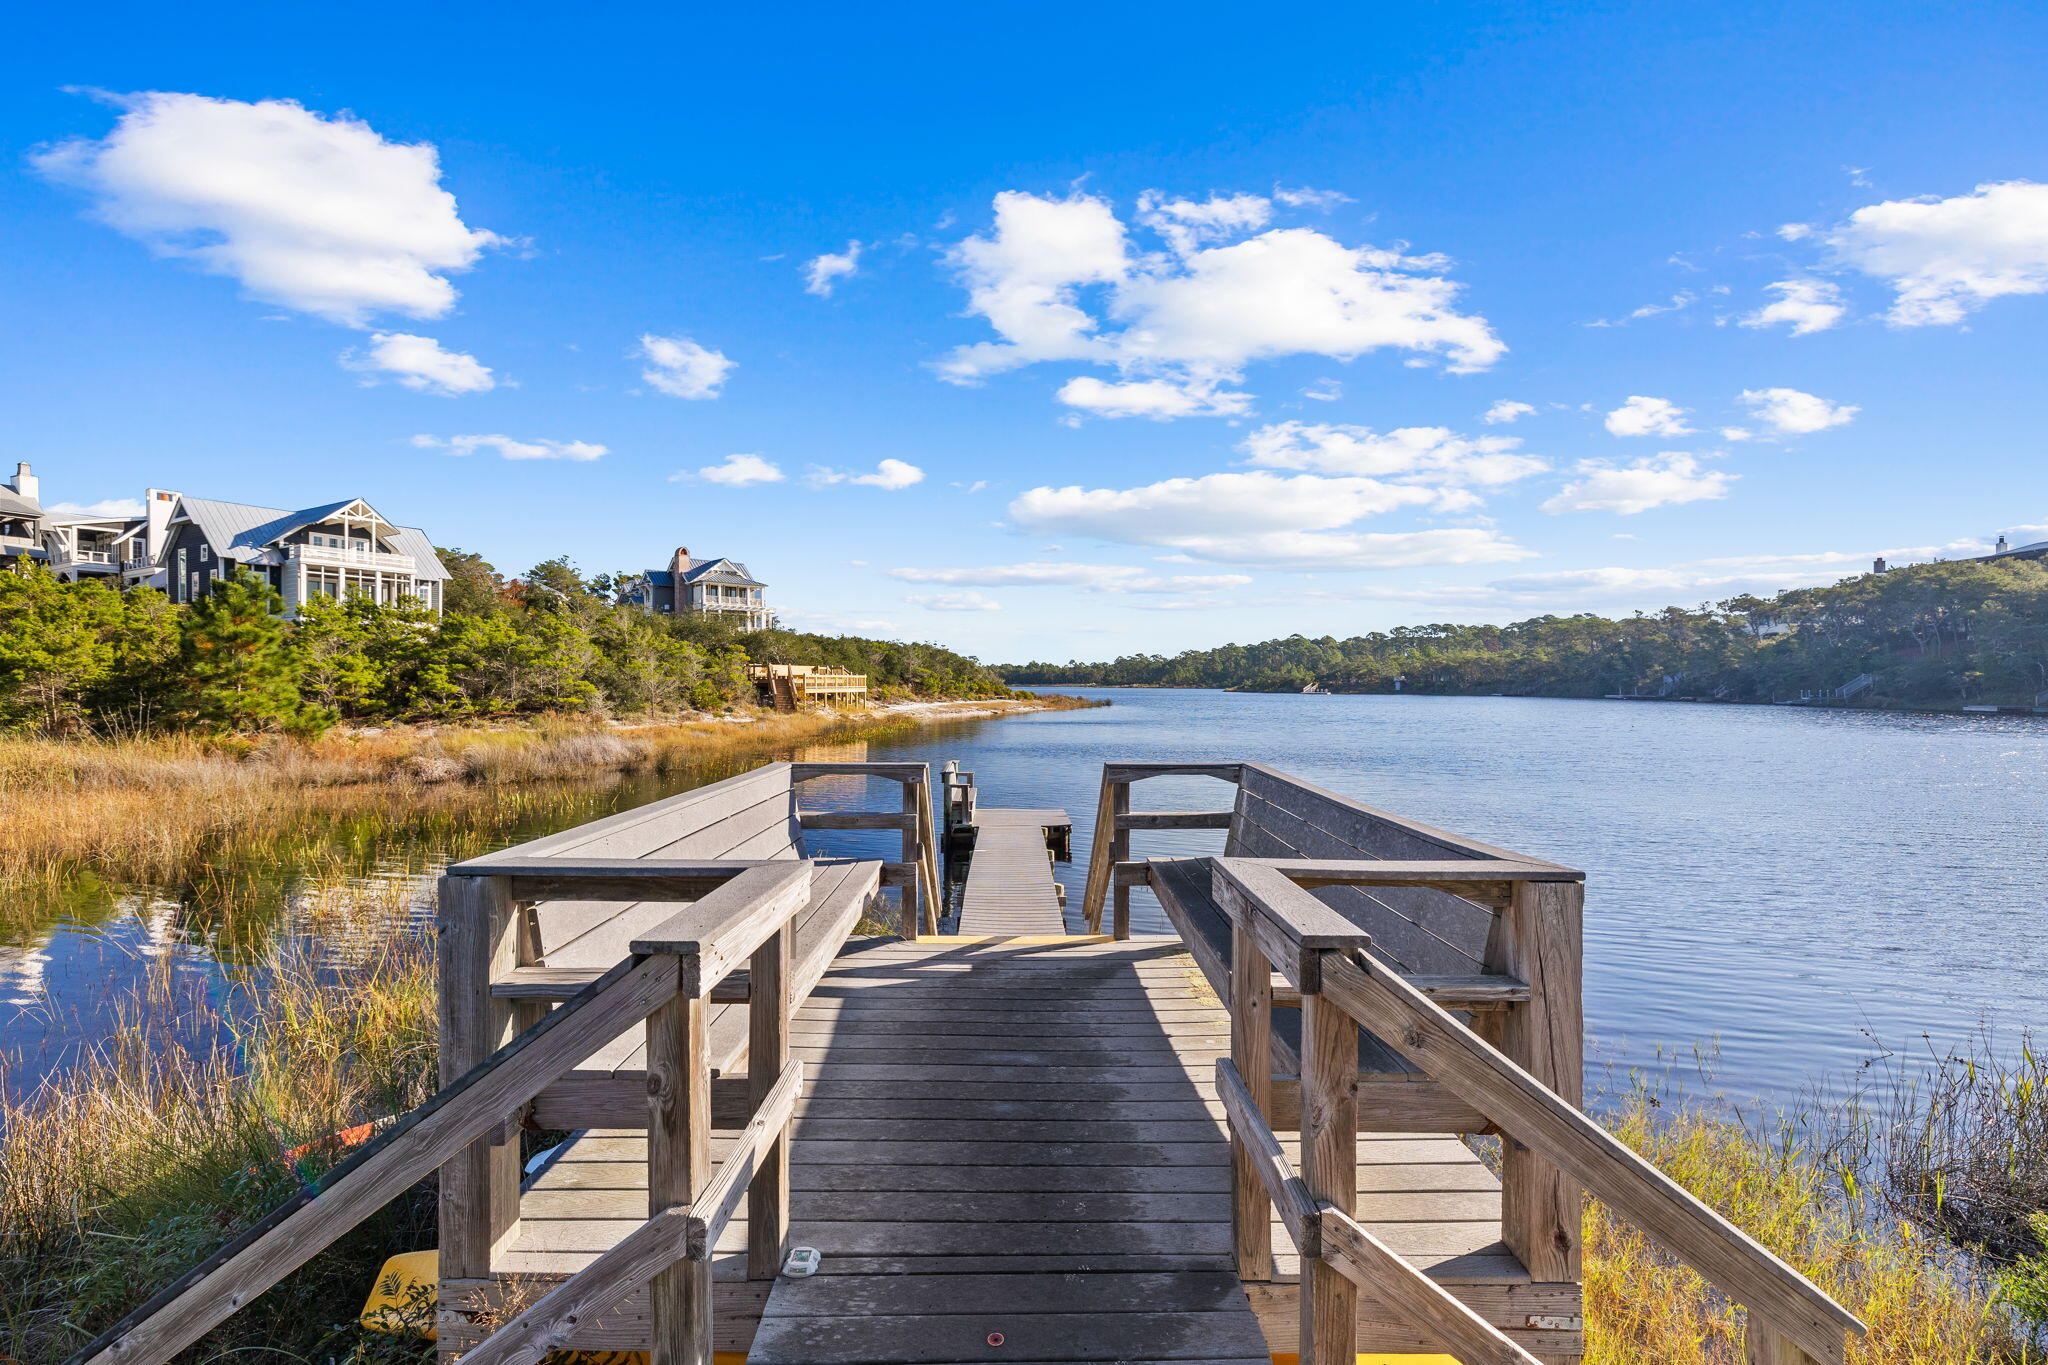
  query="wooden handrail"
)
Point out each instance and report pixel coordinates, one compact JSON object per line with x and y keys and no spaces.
{"x":683,"y":959}
{"x":1377,"y":1268}
{"x":1114,"y":820}
{"x":1377,"y":997}
{"x":914,"y":821}
{"x":674,"y":1234}
{"x":295,"y":1231}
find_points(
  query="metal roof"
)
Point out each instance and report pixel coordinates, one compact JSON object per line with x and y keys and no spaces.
{"x":13,"y":504}
{"x":698,"y":570}
{"x":242,"y":532}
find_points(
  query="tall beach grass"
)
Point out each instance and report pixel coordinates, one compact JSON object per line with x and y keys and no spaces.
{"x":120,"y":1173}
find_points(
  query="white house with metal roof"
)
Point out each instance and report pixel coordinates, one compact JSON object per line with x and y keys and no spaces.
{"x":700,"y":586}
{"x":332,"y":550}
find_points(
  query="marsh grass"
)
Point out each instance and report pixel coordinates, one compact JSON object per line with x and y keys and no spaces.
{"x":121,"y":1172}
{"x":1818,"y":1187}
{"x":161,"y":809}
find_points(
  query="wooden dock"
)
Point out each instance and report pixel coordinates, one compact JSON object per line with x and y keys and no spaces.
{"x":1239,"y":1141}
{"x":1010,"y":887}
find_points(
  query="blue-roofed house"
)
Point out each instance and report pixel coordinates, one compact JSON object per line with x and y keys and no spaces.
{"x":331,"y":550}
{"x":700,"y":586}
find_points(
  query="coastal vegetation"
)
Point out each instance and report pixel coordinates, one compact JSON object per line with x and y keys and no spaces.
{"x":87,"y":659}
{"x":1972,"y":632}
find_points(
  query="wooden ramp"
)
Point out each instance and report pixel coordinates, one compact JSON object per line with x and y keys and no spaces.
{"x":1010,"y":887}
{"x":1010,"y":1151}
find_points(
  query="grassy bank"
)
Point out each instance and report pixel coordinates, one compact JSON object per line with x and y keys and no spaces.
{"x":141,"y":809}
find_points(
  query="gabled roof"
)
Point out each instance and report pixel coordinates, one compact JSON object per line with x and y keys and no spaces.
{"x":721,"y":570}
{"x":239,"y":531}
{"x":13,"y":504}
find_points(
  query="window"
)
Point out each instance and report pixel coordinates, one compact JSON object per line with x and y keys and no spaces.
{"x":178,"y":580}
{"x":205,"y":552}
{"x":192,"y":586}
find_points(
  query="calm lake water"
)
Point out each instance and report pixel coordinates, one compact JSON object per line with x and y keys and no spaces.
{"x":1803,"y":892}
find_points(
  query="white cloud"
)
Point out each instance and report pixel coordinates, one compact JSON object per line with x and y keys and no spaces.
{"x":1506,"y":410}
{"x":1305,"y":198}
{"x":1945,"y":258}
{"x":1264,"y":519}
{"x":680,"y":368}
{"x":1792,"y":413}
{"x":833,"y":623}
{"x":1060,"y":280}
{"x":1737,"y":434}
{"x":421,"y":364}
{"x":1409,"y":454}
{"x":1158,"y":399}
{"x":106,"y":507}
{"x":893,"y":475}
{"x":1108,"y":578}
{"x":737,"y":471}
{"x":955,"y":601}
{"x":1806,"y":305}
{"x":1642,"y":416}
{"x":314,"y":213}
{"x":1186,"y":222}
{"x":1685,"y":298}
{"x":822,"y":272}
{"x":1654,"y":481}
{"x":506,"y":448}
{"x":1795,"y":232}
{"x":1324,"y":391}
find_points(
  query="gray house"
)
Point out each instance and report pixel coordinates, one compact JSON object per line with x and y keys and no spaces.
{"x":694,"y":586}
{"x":331,"y":550}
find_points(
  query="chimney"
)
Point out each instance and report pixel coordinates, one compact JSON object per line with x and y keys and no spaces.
{"x":1877,"y":565}
{"x":1999,"y":551}
{"x":680,"y":560}
{"x":25,"y":483}
{"x":158,"y":504}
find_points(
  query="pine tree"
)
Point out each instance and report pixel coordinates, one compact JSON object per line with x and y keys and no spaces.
{"x":53,"y":646}
{"x":239,"y":674}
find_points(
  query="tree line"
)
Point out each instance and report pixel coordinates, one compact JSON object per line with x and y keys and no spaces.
{"x":87,"y":656}
{"x":1942,"y":634}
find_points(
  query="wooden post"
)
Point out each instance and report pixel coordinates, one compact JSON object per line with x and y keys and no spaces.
{"x":1119,"y":852}
{"x":1537,"y":939}
{"x":917,"y":848}
{"x":678,"y":1168}
{"x":1251,"y":1049}
{"x":1762,"y":1346}
{"x":476,"y":941}
{"x":1329,"y":1167}
{"x":767,"y":1054}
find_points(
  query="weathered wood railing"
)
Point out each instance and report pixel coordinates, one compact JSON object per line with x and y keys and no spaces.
{"x":739,"y":917}
{"x":918,"y":872}
{"x":1550,"y":1148}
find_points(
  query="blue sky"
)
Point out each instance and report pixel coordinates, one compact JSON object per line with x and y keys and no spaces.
{"x":1167,"y":325}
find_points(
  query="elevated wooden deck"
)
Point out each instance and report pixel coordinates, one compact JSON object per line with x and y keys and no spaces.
{"x":1240,"y":1140}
